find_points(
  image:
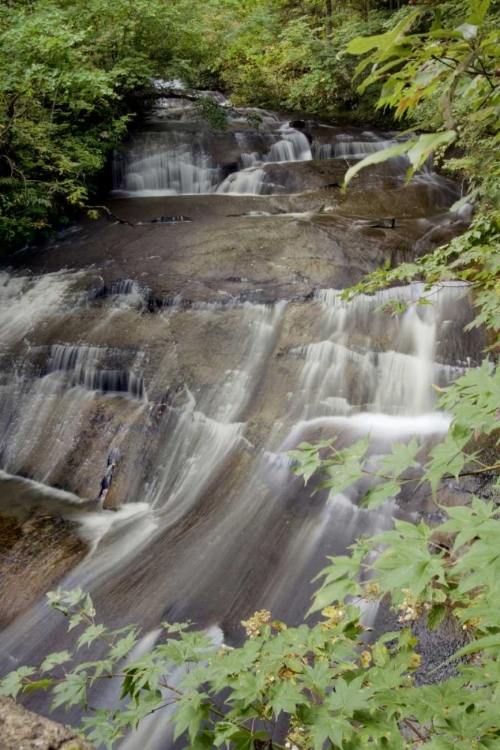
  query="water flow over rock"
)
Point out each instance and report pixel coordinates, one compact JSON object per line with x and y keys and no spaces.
{"x":367,"y":375}
{"x":200,"y":353}
{"x":189,"y":160}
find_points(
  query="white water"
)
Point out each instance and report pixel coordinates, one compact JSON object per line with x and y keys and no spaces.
{"x":293,"y":146}
{"x":165,"y":164}
{"x":373,"y":376}
{"x":24,"y":301}
{"x":171,"y":163}
{"x":345,"y":149}
{"x":364,"y":372}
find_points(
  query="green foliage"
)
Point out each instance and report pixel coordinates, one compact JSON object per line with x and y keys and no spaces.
{"x":71,"y":77}
{"x":211,"y":111}
{"x":312,"y":676}
{"x":277,"y":55}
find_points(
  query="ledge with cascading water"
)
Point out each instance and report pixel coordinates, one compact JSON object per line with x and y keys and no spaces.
{"x":190,"y":356}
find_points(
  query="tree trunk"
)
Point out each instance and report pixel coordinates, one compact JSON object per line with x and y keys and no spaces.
{"x":328,"y":14}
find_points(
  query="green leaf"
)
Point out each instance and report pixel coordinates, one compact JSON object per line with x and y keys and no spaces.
{"x":402,"y":458}
{"x":71,"y":692}
{"x":425,"y":146}
{"x":361,"y":45}
{"x":379,"y":494}
{"x":376,"y":158}
{"x":55,"y":660}
{"x":481,"y":644}
{"x":335,"y":592}
{"x":243,"y":741}
{"x":479,"y":9}
{"x":191,"y":711}
{"x":13,"y":682}
{"x":327,"y":726}
{"x":286,"y":697}
{"x":349,"y":697}
{"x":38,"y":685}
{"x":436,"y":615}
{"x":123,"y":646}
{"x":90,"y":634}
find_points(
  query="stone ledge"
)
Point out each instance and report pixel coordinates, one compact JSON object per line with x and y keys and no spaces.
{"x":21,"y":729}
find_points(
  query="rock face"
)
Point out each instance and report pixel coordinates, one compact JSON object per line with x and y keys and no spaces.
{"x":289,"y":247}
{"x":23,"y":730}
{"x":34,"y":555}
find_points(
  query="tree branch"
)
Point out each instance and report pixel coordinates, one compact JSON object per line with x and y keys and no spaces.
{"x":446,"y":100}
{"x":414,"y":729}
{"x":109,"y":214}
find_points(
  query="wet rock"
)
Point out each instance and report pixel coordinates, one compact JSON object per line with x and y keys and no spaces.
{"x":440,"y":235}
{"x":435,"y":646}
{"x":386,"y":223}
{"x":308,"y":175}
{"x":272,"y":252}
{"x":168,"y":220}
{"x":24,"y":730}
{"x":35,"y":553}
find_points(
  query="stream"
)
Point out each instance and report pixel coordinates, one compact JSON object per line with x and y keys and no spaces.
{"x":195,"y":346}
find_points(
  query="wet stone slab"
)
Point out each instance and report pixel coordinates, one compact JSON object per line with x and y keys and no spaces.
{"x":316,"y":240}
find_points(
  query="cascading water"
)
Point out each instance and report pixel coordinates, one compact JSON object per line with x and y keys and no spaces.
{"x":171,"y":163}
{"x":346,"y":148}
{"x":191,"y":357}
{"x":164,"y":164}
{"x":366,"y":377}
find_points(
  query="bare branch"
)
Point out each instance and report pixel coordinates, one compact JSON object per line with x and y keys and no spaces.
{"x":109,"y":214}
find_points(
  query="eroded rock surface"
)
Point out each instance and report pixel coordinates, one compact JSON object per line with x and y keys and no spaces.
{"x":35,"y":554}
{"x":24,"y":730}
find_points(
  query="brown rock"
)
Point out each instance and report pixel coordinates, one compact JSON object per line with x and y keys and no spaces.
{"x":24,"y":730}
{"x":34,"y":556}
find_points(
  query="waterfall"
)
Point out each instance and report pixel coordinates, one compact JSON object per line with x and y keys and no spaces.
{"x":394,"y":381}
{"x":362,"y":371}
{"x":171,"y":163}
{"x":292,"y":146}
{"x":350,"y":149}
{"x":66,"y":357}
{"x":164,"y":164}
{"x":79,"y":362}
{"x":201,"y":397}
{"x":251,"y":180}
